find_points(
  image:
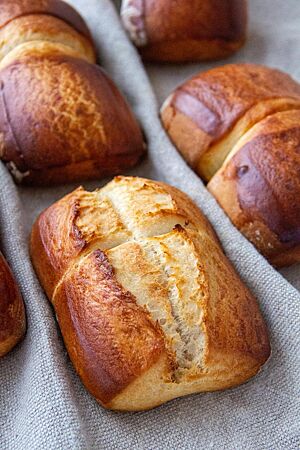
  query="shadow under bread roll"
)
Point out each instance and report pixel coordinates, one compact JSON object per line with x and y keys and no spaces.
{"x":185,"y":30}
{"x":149,"y":306}
{"x":12,"y":311}
{"x":61,"y":118}
{"x":238,"y":128}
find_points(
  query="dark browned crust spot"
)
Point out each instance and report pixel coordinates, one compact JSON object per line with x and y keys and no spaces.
{"x":267,"y":174}
{"x":213,"y":102}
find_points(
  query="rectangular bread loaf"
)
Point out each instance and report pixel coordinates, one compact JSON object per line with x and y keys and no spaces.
{"x":149,"y":306}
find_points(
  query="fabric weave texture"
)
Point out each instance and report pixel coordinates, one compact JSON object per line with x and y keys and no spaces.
{"x":43,"y":404}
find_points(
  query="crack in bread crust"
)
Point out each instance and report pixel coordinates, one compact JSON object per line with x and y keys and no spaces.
{"x":158,"y":243}
{"x":175,"y":254}
{"x":164,"y":275}
{"x":142,"y":290}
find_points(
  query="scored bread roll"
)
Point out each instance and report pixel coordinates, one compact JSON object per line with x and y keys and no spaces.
{"x":12,"y":312}
{"x":61,"y":118}
{"x":185,"y":30}
{"x":238,"y":128}
{"x":149,"y":307}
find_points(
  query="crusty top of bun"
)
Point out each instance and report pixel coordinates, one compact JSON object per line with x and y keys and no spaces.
{"x":11,"y":9}
{"x":44,"y":27}
{"x":83,"y":219}
{"x":217,"y":98}
{"x":177,"y":31}
{"x":75,"y":115}
{"x":206,"y":19}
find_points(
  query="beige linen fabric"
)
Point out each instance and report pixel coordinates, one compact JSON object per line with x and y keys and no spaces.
{"x":43,"y":404}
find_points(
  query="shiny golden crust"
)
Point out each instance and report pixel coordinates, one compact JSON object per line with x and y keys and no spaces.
{"x":245,"y":140}
{"x":114,"y":339}
{"x":77,"y":128}
{"x":149,"y":307}
{"x":258,"y":186}
{"x":42,"y":27}
{"x":208,"y":114}
{"x":61,"y":118}
{"x":185,"y":30}
{"x":89,"y":220}
{"x":12,"y":312}
{"x":13,"y":9}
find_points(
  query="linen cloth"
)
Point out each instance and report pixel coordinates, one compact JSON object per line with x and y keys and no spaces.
{"x":43,"y":404}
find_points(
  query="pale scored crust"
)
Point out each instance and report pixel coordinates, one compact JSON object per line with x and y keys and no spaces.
{"x":149,"y":307}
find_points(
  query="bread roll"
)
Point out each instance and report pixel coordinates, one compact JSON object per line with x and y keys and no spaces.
{"x":76,"y":125}
{"x":51,"y":20}
{"x":12,"y":9}
{"x":149,"y":307}
{"x":215,"y":108}
{"x":42,"y":27}
{"x":61,"y":118}
{"x":185,"y":30}
{"x":12,"y":313}
{"x":238,"y":126}
{"x":259,"y":186}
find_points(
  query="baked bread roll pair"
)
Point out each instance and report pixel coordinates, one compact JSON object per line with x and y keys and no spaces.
{"x":61,"y":118}
{"x":185,"y":30}
{"x":12,"y":312}
{"x":238,"y":126}
{"x":149,"y":307}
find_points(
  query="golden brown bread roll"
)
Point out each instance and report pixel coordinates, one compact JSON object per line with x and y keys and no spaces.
{"x":51,"y":20}
{"x":38,"y":27}
{"x":61,"y":118}
{"x":79,"y":127}
{"x":238,"y":126}
{"x":12,"y":312}
{"x":185,"y":30}
{"x":12,"y":9}
{"x":259,"y":186}
{"x":149,"y":307}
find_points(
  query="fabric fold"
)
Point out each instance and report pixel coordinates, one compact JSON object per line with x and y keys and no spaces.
{"x":42,"y":401}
